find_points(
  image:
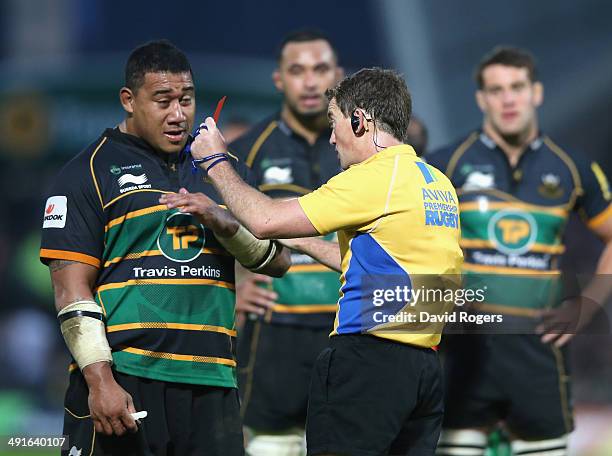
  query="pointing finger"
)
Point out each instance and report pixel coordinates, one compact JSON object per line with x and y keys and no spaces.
{"x":210,"y":123}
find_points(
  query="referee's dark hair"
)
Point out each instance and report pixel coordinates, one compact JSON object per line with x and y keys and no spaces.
{"x":382,"y":94}
{"x":303,"y":36}
{"x":154,"y":57}
{"x":507,"y":56}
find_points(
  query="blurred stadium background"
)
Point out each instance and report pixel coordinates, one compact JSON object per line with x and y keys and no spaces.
{"x":61,"y":65}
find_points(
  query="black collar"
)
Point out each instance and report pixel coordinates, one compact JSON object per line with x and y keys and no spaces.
{"x":286,"y":129}
{"x":134,"y":141}
{"x":487,"y":141}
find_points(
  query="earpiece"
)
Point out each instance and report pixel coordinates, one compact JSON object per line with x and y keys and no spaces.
{"x":355,"y":122}
{"x":359,"y":122}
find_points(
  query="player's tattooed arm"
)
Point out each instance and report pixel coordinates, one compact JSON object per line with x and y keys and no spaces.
{"x":72,"y":281}
{"x":57,"y":265}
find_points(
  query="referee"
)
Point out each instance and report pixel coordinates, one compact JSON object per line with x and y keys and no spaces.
{"x":289,"y":320}
{"x":377,"y":388}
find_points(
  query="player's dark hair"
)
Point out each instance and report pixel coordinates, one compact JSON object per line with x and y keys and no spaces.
{"x":154,"y":57}
{"x":302,"y":36}
{"x":382,"y":94}
{"x":507,"y":56}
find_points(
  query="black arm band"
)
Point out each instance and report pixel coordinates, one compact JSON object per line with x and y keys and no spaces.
{"x":80,"y":313}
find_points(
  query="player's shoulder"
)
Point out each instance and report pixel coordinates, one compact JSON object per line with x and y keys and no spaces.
{"x":571,"y":156}
{"x":441,"y":156}
{"x":581,"y":166}
{"x":84,"y":160}
{"x":444,"y":157}
{"x":255,"y":137}
{"x":239,"y":165}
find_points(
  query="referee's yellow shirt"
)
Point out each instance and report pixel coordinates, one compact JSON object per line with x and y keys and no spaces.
{"x":398,"y":227}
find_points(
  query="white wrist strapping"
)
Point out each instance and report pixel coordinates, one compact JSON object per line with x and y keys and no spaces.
{"x":84,"y":331}
{"x":252,"y":253}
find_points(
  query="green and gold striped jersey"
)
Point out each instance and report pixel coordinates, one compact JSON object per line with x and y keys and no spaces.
{"x":165,"y":284}
{"x":513,"y":218}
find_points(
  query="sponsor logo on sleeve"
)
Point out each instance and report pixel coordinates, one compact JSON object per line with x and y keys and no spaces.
{"x":132,"y":179}
{"x":129,"y":182}
{"x":56,"y":210}
{"x":116,"y":170}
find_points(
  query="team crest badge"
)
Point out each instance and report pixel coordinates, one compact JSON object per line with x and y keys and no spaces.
{"x":550,"y":186}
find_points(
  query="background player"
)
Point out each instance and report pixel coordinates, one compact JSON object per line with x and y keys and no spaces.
{"x":516,"y":189}
{"x":417,"y":135}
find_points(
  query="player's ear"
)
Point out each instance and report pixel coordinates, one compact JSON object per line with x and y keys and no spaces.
{"x":480,"y":101}
{"x":339,"y":74}
{"x":126,"y":96}
{"x":278,"y":82}
{"x":538,"y":94}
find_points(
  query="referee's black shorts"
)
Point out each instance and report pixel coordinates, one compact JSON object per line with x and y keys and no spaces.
{"x":182,"y":419}
{"x":371,"y":396}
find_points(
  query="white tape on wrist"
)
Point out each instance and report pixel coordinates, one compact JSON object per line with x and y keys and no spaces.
{"x":84,"y":331}
{"x":252,"y":253}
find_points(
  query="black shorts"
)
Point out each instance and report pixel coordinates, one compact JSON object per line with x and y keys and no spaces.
{"x":371,"y":396}
{"x":275,"y":367}
{"x":182,"y":419}
{"x":507,"y":377}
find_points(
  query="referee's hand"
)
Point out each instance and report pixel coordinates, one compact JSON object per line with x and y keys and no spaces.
{"x":208,"y":212}
{"x":209,"y":141}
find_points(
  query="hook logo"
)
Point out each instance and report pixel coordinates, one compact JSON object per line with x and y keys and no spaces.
{"x":56,"y":211}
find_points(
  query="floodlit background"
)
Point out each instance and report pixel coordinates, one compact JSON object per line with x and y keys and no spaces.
{"x":61,"y":65}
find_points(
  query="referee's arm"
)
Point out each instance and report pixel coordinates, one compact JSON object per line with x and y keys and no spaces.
{"x":325,"y":252}
{"x":263,"y":216}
